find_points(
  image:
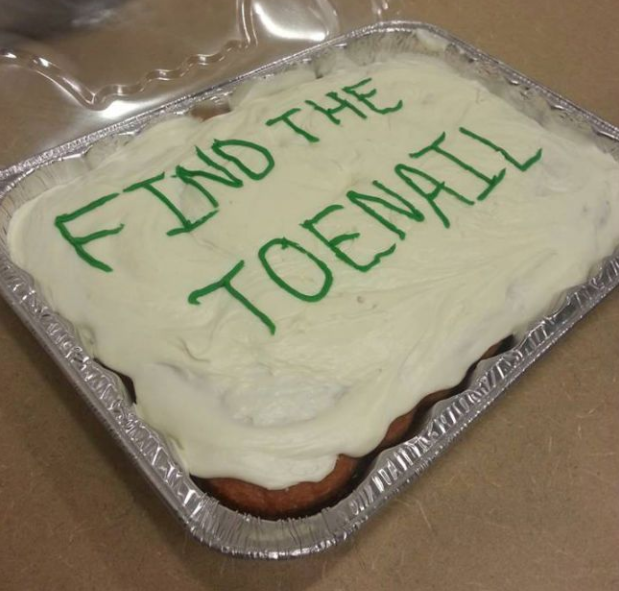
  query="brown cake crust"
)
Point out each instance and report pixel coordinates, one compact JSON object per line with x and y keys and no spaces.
{"x":306,"y":496}
{"x":286,"y":502}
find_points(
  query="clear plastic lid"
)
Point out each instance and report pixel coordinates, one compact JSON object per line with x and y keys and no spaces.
{"x":69,"y":67}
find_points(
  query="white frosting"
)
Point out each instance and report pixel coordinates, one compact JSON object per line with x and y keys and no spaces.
{"x":235,"y":400}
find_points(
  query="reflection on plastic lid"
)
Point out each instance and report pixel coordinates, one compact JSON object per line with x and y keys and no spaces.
{"x":119,"y":109}
{"x":290,"y":24}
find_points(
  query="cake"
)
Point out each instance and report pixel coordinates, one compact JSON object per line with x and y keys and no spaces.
{"x":285,"y":283}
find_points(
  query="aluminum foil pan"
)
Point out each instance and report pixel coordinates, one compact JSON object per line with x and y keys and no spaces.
{"x":215,"y":525}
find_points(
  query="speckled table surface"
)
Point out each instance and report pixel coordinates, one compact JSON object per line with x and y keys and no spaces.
{"x":526,"y":500}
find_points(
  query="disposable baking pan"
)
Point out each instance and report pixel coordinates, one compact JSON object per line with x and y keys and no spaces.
{"x":210,"y":522}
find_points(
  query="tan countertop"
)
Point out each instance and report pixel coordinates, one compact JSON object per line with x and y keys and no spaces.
{"x":528,"y":499}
